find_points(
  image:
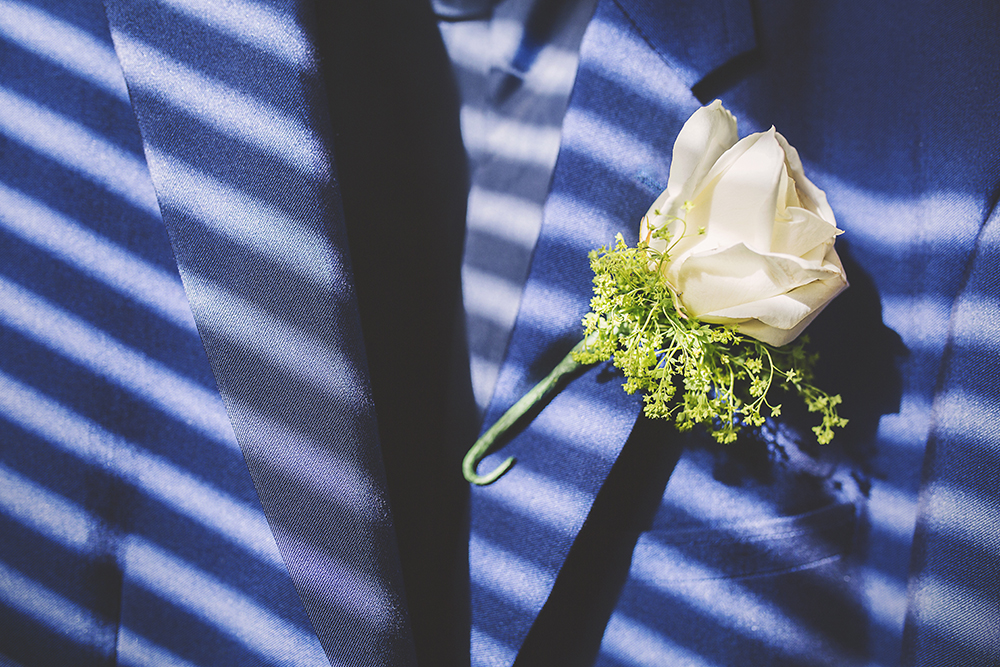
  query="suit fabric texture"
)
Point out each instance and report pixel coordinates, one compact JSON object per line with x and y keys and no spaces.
{"x":235,"y":381}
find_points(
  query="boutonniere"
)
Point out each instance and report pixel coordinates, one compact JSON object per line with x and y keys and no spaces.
{"x":735,"y":258}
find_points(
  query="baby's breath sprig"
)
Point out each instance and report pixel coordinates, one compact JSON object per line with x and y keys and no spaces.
{"x":690,"y":371}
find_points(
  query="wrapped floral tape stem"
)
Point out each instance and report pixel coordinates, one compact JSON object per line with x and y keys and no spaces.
{"x":541,"y":392}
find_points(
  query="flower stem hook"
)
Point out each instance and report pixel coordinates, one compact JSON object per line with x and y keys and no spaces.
{"x":539,"y":393}
{"x":474,"y":456}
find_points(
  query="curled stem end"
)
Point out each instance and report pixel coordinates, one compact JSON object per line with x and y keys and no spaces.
{"x":540,"y":393}
{"x":472,"y":460}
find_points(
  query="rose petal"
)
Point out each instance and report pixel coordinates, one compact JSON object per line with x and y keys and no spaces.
{"x":716,"y":280}
{"x":784,"y":311}
{"x":817,"y":254}
{"x":739,"y":205}
{"x":706,"y":135}
{"x":802,"y":232}
{"x":788,"y":196}
{"x":811,"y":197}
{"x":757,"y":246}
{"x":779,"y":320}
{"x":709,"y":133}
{"x":778,"y":336}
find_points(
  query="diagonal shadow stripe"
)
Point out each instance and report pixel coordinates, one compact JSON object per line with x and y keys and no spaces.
{"x":66,"y":86}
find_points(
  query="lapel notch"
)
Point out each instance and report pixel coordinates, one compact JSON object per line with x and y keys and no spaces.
{"x":695,"y":37}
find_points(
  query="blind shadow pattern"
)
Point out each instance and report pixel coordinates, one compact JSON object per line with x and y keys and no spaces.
{"x":515,"y":71}
{"x":133,"y":533}
{"x":794,"y":566}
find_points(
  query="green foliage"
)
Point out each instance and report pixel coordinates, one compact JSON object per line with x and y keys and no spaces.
{"x":691,"y":371}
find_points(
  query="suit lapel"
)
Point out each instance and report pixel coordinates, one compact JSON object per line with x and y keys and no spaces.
{"x":631,"y":96}
{"x":229,"y":106}
{"x":693,"y":38}
{"x":952,"y":615}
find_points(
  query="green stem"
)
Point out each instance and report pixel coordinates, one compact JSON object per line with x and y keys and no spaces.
{"x":540,"y":392}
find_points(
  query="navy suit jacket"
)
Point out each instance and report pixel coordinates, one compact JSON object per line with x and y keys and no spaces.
{"x":235,"y":389}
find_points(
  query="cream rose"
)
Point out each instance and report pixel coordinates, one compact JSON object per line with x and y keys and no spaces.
{"x":751,"y":238}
